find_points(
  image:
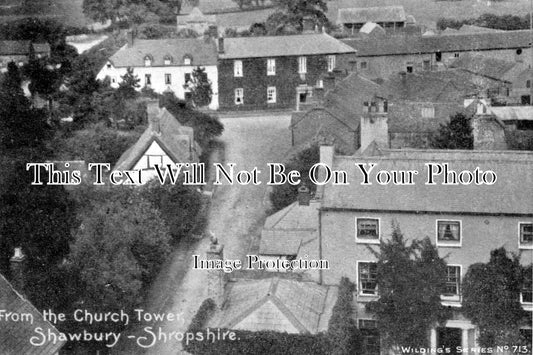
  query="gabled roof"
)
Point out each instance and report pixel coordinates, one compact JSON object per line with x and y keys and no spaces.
{"x":457,"y":42}
{"x":306,"y":305}
{"x":510,"y":195}
{"x":176,"y":140}
{"x":489,"y":67}
{"x":286,"y":230}
{"x":15,"y":336}
{"x":201,"y":52}
{"x":279,"y":46}
{"x":371,"y":14}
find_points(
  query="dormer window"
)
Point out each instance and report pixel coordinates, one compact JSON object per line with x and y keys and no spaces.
{"x":167,"y":60}
{"x":147,"y":61}
{"x":187,"y":60}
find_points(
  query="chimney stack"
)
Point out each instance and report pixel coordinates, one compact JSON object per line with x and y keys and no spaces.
{"x":153,"y":110}
{"x":220,"y":45}
{"x":130,"y":35}
{"x":18,"y":265}
{"x":304,"y":195}
{"x":308,"y":25}
{"x":216,"y":279}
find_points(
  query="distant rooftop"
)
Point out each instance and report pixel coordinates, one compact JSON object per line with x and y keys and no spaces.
{"x":363,"y":15}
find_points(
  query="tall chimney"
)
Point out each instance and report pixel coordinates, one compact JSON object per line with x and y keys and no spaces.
{"x":221,"y":45}
{"x":130,"y":35}
{"x":304,"y":195}
{"x":153,"y":110}
{"x":216,"y":278}
{"x":18,"y":265}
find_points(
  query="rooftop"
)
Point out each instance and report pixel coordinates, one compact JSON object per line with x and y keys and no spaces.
{"x":492,"y":68}
{"x":279,"y":46}
{"x":176,"y":140}
{"x":512,"y":190}
{"x":457,"y":42}
{"x":304,"y":306}
{"x":200,"y":52}
{"x":15,"y":336}
{"x":512,"y":113}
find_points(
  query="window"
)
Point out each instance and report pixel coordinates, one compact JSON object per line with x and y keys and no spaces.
{"x":367,"y":230}
{"x":152,"y":160}
{"x":148,"y":79}
{"x":271,"y":67}
{"x":526,"y":294}
{"x":167,"y":60}
{"x":302,"y":65}
{"x":370,"y":342}
{"x":409,"y":67}
{"x":168,"y":79}
{"x":237,"y":68}
{"x":239,"y":96}
{"x":526,"y":235}
{"x":363,"y":65}
{"x":453,"y":281}
{"x":271,"y":94}
{"x":456,"y":55}
{"x":108,"y":66}
{"x":187,"y":78}
{"x":331,"y":62}
{"x":368,"y":278}
{"x":428,"y":112}
{"x":427,"y":65}
{"x":187,"y":60}
{"x":147,"y":61}
{"x":519,"y":51}
{"x":438,"y":56}
{"x":528,"y":84}
{"x":448,"y":233}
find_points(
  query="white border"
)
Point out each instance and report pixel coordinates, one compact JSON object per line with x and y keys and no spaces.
{"x":449,"y":245}
{"x":520,"y":246}
{"x":368,"y":241}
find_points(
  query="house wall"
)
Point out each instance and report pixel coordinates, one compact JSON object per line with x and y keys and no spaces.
{"x":142,"y":163}
{"x":255,"y":80}
{"x":158,"y":78}
{"x":480,"y":235}
{"x":386,"y":65}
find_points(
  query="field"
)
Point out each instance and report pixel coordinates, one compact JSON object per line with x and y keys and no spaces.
{"x":426,"y":12}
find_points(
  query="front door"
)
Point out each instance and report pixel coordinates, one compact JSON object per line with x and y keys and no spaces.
{"x":449,"y":338}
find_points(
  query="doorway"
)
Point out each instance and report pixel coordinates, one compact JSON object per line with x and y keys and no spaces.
{"x":450,"y":338}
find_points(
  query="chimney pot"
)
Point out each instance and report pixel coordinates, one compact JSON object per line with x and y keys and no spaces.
{"x":130,"y":36}
{"x":18,"y":264}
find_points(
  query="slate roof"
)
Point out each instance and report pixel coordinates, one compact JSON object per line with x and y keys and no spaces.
{"x":458,"y":42}
{"x":202,"y":52}
{"x":22,"y":47}
{"x":176,"y":140}
{"x":286,"y":230}
{"x":493,"y":68}
{"x":15,"y":336}
{"x":510,"y":195}
{"x":306,"y":305}
{"x":512,"y":113}
{"x":279,"y":46}
{"x":243,"y":20}
{"x":371,"y":14}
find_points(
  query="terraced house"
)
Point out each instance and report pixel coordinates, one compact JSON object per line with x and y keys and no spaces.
{"x":164,"y":64}
{"x":465,"y":222}
{"x":276,"y":71}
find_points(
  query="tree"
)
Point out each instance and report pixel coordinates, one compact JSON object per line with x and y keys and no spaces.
{"x":491,"y":298}
{"x":283,"y":195}
{"x":410,"y":280}
{"x":132,"y":11}
{"x":119,"y":247}
{"x":243,"y":3}
{"x":127,"y":88}
{"x":457,"y":134}
{"x":201,"y":88}
{"x":298,"y":10}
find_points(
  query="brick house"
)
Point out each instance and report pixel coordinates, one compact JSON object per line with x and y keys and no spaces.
{"x":465,"y":222}
{"x":383,"y":57}
{"x":275,"y":71}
